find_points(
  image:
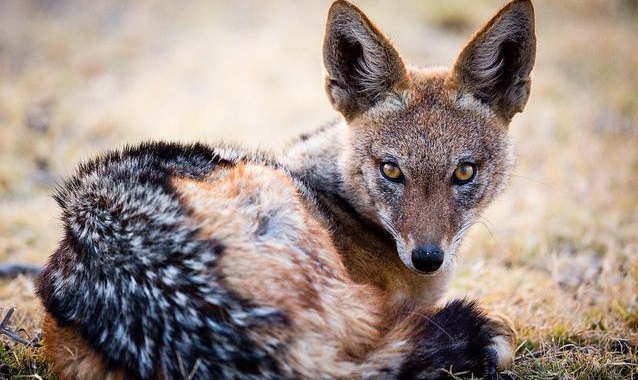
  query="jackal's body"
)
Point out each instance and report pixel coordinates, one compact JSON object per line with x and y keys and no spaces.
{"x":181,"y":259}
{"x":189,"y":261}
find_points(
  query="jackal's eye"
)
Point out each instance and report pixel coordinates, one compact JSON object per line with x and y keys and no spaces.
{"x":464,"y":173}
{"x":391,"y":172}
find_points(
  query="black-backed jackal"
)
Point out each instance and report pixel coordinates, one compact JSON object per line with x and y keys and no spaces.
{"x":326,"y":262}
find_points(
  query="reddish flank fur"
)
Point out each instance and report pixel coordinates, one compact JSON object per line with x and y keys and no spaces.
{"x":71,"y":357}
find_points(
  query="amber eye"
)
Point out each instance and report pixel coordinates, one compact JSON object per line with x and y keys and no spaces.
{"x":391,"y":172}
{"x":464,"y":173}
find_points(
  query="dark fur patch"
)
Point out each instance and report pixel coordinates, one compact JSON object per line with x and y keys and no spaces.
{"x":455,"y":339}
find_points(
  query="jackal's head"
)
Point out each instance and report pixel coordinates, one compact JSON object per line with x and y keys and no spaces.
{"x":428,"y":148}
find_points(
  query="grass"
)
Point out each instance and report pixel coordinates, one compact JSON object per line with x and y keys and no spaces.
{"x":572,"y":361}
{"x":20,"y":362}
{"x":19,"y":352}
{"x":558,"y":252}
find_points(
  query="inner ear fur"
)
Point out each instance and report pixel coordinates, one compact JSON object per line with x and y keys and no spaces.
{"x":496,"y":63}
{"x":362,"y":66}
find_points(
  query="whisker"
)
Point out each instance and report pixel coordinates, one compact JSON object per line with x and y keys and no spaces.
{"x":459,"y":235}
{"x":388,"y":225}
{"x":432,"y":322}
{"x":536,"y":181}
{"x":486,"y":223}
{"x":484,"y":219}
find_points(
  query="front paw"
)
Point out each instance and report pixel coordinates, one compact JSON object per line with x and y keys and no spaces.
{"x":461,"y":340}
{"x":503,"y":339}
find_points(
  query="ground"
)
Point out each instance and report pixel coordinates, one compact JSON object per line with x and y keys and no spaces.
{"x":558,"y":251}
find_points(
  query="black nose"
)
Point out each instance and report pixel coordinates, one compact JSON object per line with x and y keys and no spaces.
{"x":427,"y":258}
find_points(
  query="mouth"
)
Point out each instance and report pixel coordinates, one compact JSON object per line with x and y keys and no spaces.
{"x":422,"y":273}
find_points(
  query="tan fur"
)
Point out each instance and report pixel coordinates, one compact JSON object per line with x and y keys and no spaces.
{"x":71,"y":357}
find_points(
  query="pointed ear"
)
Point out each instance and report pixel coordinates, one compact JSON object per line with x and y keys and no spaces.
{"x":362,"y":65}
{"x":495,"y":65}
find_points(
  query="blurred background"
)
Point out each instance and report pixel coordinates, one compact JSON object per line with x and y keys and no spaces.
{"x":558,"y":251}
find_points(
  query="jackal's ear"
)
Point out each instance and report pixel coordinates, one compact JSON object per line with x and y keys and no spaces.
{"x":362,"y":66}
{"x":495,"y":65}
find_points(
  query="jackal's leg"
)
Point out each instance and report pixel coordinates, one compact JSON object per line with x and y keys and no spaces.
{"x":504,"y":341}
{"x":459,"y":339}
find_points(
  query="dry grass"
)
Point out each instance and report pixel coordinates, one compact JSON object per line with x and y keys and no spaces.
{"x":558,"y":252}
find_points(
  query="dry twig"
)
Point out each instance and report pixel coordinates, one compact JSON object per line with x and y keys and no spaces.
{"x":4,"y":329}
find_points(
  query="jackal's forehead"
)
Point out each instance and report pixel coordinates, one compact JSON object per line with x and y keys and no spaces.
{"x":433,"y":129}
